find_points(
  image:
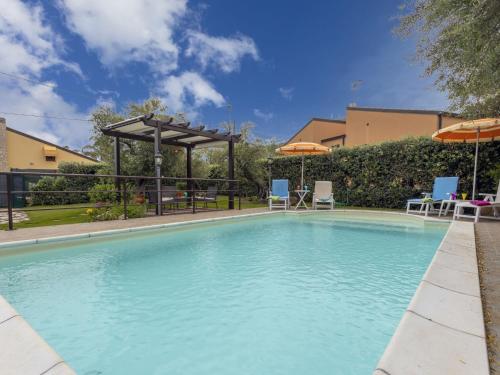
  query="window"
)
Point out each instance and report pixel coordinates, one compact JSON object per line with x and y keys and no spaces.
{"x":50,"y":158}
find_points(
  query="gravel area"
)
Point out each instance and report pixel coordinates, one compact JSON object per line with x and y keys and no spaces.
{"x":488,"y":252}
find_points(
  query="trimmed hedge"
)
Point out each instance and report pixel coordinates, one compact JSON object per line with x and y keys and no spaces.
{"x":65,"y":184}
{"x":388,"y":174}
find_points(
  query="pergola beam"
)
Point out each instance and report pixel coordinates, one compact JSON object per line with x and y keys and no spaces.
{"x":144,"y":138}
{"x":165,"y":126}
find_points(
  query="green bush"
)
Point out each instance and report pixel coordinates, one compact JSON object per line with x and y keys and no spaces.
{"x":103,"y":193}
{"x":79,"y":183}
{"x":115,"y":213}
{"x":136,"y":211}
{"x":43,"y":187}
{"x":105,"y":213}
{"x":46,"y":191}
{"x":388,"y":174}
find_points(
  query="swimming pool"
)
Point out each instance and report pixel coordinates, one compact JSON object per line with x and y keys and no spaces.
{"x":279,"y":294}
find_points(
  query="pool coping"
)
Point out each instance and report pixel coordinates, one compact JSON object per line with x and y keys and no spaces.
{"x":446,"y":306}
{"x":23,"y":350}
{"x":442,"y":330}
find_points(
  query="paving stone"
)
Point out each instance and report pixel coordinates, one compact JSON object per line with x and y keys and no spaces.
{"x":452,"y":309}
{"x":447,"y":351}
{"x":459,"y":281}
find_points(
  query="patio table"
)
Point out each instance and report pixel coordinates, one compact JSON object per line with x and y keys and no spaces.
{"x":302,"y":195}
{"x":448,"y":203}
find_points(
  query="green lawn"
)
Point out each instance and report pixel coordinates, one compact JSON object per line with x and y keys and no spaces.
{"x":52,"y":217}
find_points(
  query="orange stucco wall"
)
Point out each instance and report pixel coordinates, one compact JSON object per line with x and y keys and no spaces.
{"x":317,"y":130}
{"x":27,"y":153}
{"x":333,"y":143}
{"x":447,"y":121}
{"x":364,"y":126}
{"x":371,"y":127}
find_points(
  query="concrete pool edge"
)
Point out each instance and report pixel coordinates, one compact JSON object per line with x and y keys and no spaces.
{"x":442,"y":330}
{"x":23,"y":350}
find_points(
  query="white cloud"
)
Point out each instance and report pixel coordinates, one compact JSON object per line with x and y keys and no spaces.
{"x":27,"y":43}
{"x":221,"y":52}
{"x":263,"y":115}
{"x":286,"y":93}
{"x":133,"y":30}
{"x":189,"y":91}
{"x":27,"y":47}
{"x":43,"y":101}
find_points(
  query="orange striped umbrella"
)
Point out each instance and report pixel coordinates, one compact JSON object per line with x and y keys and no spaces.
{"x":302,"y":149}
{"x":474,"y":131}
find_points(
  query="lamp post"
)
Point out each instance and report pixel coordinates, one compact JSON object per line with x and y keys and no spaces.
{"x":158,"y":162}
{"x":269,"y":165}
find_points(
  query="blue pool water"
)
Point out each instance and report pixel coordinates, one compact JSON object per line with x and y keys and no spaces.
{"x":295,"y":294}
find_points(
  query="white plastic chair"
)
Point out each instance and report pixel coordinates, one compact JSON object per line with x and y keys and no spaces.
{"x":323,"y":194}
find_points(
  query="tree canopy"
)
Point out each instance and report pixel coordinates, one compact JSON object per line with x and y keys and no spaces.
{"x":459,"y":40}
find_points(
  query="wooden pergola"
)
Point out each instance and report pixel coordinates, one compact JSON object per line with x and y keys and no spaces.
{"x":170,"y":132}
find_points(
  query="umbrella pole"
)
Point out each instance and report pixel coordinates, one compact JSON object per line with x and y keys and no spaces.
{"x":475,"y":165}
{"x":302,"y":175}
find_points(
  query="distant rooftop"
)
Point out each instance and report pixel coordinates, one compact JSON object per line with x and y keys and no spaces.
{"x":401,"y":110}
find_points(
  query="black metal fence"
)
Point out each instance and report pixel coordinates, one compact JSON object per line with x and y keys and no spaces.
{"x":37,"y":191}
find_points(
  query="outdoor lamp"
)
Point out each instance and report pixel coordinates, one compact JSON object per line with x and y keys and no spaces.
{"x":158,"y":159}
{"x":269,"y":165}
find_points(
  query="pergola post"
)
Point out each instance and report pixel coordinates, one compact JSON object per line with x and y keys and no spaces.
{"x":157,"y":147}
{"x":189,"y":168}
{"x":117,"y":167}
{"x":230,"y":173}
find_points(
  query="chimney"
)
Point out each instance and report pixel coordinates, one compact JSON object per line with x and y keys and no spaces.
{"x":4,"y":165}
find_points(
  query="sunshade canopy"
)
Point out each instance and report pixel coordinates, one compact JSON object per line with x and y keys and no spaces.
{"x":467,"y":132}
{"x":302,"y":148}
{"x":173,"y":133}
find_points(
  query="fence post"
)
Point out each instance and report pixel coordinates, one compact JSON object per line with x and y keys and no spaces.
{"x":125,"y":216}
{"x":239,"y":196}
{"x":9,"y":201}
{"x":193,"y":202}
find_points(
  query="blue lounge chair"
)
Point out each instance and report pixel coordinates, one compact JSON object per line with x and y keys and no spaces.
{"x":279,"y":196}
{"x":443,"y":188}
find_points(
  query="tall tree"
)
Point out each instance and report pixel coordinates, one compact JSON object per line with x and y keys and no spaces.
{"x":460,"y":42}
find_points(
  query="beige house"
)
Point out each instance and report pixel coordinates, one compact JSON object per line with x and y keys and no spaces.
{"x":23,"y":152}
{"x":373,"y":125}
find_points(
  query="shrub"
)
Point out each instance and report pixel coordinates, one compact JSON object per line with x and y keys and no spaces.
{"x":388,"y":174}
{"x":79,"y":183}
{"x":42,"y":191}
{"x":105,"y":213}
{"x":136,"y":211}
{"x":103,"y":193}
{"x":115,"y":213}
{"x":53,"y":184}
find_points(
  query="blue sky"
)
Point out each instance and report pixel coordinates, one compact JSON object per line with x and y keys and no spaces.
{"x":278,"y":63}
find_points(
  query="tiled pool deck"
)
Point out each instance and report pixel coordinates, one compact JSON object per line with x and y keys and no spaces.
{"x":441,"y":332}
{"x":488,"y":242}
